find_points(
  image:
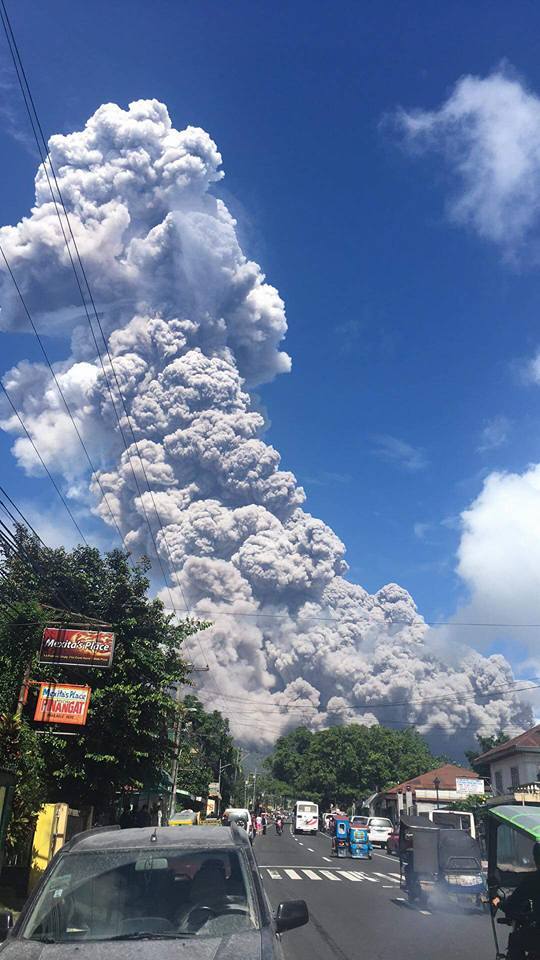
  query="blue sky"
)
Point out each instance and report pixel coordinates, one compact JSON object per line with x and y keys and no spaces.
{"x":407,"y":332}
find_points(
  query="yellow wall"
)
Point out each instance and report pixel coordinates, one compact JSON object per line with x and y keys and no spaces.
{"x":48,"y":838}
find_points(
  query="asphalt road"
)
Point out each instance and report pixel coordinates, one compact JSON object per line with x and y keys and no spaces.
{"x":357,"y":909}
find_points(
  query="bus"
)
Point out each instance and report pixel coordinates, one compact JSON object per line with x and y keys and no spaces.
{"x":305,"y":817}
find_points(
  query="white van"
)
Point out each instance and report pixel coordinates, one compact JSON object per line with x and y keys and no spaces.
{"x":306,"y":817}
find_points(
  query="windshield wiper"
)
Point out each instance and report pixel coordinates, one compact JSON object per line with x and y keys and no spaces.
{"x":147,"y":935}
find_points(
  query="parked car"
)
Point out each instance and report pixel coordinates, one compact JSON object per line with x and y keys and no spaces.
{"x":241,"y":817}
{"x":109,"y":887}
{"x":380,"y":829}
{"x":184,"y":818}
{"x":358,"y":821}
{"x":392,"y":844}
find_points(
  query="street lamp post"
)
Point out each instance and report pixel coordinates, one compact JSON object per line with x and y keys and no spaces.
{"x":436,"y":784}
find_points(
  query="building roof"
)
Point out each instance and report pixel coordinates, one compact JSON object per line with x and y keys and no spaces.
{"x":447,"y":775}
{"x":529,"y":740}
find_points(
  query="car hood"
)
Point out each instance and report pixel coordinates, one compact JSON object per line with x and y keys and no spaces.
{"x":237,"y":947}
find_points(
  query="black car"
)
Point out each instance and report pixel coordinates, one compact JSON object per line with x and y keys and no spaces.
{"x":142,"y":891}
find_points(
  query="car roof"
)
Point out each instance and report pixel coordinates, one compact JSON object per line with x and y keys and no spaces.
{"x":136,"y":838}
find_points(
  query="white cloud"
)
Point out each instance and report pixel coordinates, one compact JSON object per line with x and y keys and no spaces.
{"x":399,"y":452}
{"x":494,"y":434}
{"x":499,"y":563}
{"x":499,"y":552}
{"x":488,"y":131}
{"x":531,"y":370}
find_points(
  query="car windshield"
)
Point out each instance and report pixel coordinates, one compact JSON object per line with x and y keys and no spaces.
{"x":380,"y":822}
{"x":184,"y":813}
{"x":116,"y":894}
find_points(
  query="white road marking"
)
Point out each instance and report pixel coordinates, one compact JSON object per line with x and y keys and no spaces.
{"x":312,"y":875}
{"x":401,"y":900}
{"x":396,"y":875}
{"x":275,"y":874}
{"x":328,"y":860}
{"x":425,"y":913}
{"x":331,"y":876}
{"x":351,"y":876}
{"x":300,"y":842}
{"x":293,"y":874}
{"x":388,"y":886}
{"x":385,"y":856}
{"x":365,"y":876}
{"x":310,"y":850}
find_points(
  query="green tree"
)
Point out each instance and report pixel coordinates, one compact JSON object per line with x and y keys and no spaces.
{"x":485,"y":744}
{"x":20,"y":753}
{"x":207,"y":740}
{"x":126,"y":741}
{"x":344,"y":763}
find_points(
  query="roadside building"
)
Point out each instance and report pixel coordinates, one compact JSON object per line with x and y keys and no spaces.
{"x":513,"y":764}
{"x":430,"y":790}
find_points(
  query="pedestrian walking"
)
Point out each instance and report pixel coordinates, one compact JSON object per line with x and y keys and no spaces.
{"x":143,"y":816}
{"x":264,"y":817}
{"x":258,"y":822}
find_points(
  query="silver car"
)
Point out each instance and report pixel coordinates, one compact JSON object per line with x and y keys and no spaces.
{"x":108,"y":887}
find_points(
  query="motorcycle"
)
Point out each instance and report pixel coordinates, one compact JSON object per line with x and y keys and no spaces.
{"x":279,"y":827}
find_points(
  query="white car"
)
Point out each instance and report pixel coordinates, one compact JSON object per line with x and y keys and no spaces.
{"x":242,"y":817}
{"x":380,"y":829}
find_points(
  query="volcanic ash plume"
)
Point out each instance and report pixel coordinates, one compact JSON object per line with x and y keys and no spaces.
{"x":192,"y":327}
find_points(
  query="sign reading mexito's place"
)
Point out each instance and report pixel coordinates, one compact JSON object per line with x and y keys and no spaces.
{"x":84,"y":648}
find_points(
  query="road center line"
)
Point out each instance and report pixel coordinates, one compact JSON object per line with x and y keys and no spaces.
{"x":328,"y":860}
{"x":310,"y":850}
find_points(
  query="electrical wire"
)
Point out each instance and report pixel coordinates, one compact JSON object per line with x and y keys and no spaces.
{"x":62,"y":395}
{"x":43,"y":464}
{"x":350,"y":618}
{"x":497,"y":689}
{"x":42,"y":146}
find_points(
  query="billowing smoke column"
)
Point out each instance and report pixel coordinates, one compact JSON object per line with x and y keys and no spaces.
{"x":192,"y":327}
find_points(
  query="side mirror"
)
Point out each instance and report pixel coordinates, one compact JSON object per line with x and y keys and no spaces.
{"x":6,"y":923}
{"x":291,"y":914}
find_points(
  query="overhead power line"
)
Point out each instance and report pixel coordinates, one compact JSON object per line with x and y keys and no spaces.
{"x":351,"y":618}
{"x":44,"y":465}
{"x":83,"y":285}
{"x":497,"y":689}
{"x":61,"y":392}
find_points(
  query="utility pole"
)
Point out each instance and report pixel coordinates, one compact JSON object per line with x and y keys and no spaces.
{"x":254,"y":787}
{"x":176,"y":751}
{"x":23,"y":692}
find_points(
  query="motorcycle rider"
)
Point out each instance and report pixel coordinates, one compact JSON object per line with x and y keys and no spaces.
{"x":279,"y":824}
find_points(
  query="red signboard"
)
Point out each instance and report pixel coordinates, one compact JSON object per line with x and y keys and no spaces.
{"x":62,"y":703}
{"x":83,"y":648}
